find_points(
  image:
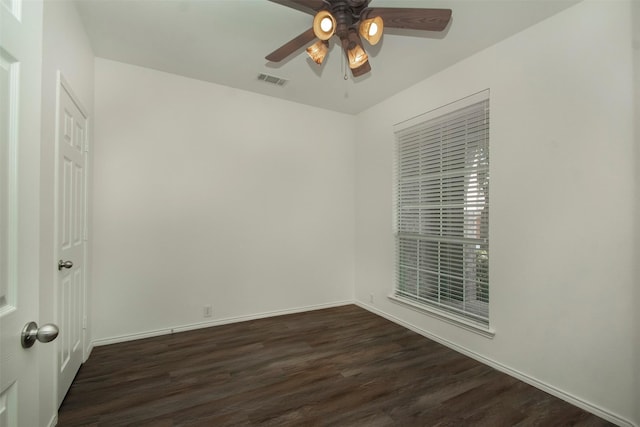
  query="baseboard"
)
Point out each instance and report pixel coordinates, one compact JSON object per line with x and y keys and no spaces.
{"x":131,"y":337}
{"x":561,"y":394}
{"x":210,"y":323}
{"x":53,"y":421}
{"x":263,"y":315}
{"x":87,"y":352}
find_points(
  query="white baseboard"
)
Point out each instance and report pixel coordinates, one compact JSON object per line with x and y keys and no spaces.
{"x":53,"y":421}
{"x":87,"y":352}
{"x":210,"y":323}
{"x":587,"y":406}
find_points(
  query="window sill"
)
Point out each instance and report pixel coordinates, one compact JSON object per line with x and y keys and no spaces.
{"x":446,"y":317}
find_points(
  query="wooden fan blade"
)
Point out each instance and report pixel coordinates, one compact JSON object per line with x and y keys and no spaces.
{"x":290,"y":47}
{"x":361,"y":70}
{"x":411,"y":18}
{"x":306,"y":6}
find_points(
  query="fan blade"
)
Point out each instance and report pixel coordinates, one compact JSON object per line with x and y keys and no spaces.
{"x":288,"y":48}
{"x":306,"y":6}
{"x":414,"y":19}
{"x":361,"y":70}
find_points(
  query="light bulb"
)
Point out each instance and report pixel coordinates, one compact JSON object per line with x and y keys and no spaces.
{"x":373,"y":29}
{"x":326,"y":24}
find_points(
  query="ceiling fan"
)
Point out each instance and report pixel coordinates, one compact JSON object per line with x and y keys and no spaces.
{"x":350,"y":20}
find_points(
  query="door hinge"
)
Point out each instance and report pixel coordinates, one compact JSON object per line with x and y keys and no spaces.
{"x":84,"y":322}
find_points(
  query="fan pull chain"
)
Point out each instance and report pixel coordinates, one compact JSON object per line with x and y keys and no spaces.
{"x":344,"y":67}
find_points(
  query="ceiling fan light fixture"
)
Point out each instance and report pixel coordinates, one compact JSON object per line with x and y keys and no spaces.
{"x":351,"y":21}
{"x":324,"y":25}
{"x":357,"y":56}
{"x":318,"y":51}
{"x":371,"y":29}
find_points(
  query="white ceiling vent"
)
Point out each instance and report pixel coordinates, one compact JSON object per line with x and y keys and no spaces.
{"x":278,"y":81}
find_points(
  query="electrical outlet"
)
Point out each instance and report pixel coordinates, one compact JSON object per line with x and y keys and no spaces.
{"x":207,"y":311}
{"x":371,"y":298}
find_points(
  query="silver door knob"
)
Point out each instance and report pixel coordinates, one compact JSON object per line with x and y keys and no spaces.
{"x":64,"y":264}
{"x":31,"y":333}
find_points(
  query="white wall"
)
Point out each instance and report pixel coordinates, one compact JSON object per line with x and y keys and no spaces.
{"x":66,"y":48}
{"x":206,"y":194}
{"x":562,"y":205}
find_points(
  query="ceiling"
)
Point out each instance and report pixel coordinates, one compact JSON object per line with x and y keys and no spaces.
{"x":225,"y":42}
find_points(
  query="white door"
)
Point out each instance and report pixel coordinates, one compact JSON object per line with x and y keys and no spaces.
{"x":71,"y":145}
{"x":20,"y":98}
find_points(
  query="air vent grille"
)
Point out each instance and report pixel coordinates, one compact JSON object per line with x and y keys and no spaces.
{"x":278,"y":81}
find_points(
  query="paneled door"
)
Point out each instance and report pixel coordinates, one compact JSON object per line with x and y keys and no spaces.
{"x":20,"y":99}
{"x":71,"y":234}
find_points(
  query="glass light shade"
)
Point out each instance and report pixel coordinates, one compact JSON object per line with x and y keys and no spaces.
{"x":357,"y":56}
{"x":371,"y":29}
{"x":318,"y":51}
{"x":324,"y":25}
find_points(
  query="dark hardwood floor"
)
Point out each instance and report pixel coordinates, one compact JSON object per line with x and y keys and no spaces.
{"x":337,"y":367}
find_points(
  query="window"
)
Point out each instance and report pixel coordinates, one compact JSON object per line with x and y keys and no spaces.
{"x":442,"y":210}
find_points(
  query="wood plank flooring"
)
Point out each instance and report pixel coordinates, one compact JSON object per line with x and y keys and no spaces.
{"x":341,"y":366}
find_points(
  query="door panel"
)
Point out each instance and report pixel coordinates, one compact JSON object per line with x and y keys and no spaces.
{"x":8,"y":100}
{"x":8,"y":408}
{"x":72,"y":140}
{"x":20,"y":97}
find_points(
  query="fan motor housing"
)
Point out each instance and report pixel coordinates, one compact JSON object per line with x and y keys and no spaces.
{"x":346,"y":13}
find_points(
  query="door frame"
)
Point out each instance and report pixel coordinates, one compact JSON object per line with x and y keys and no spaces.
{"x":63,"y":85}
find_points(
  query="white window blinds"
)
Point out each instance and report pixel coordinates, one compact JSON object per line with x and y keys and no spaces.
{"x":442,"y":209}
